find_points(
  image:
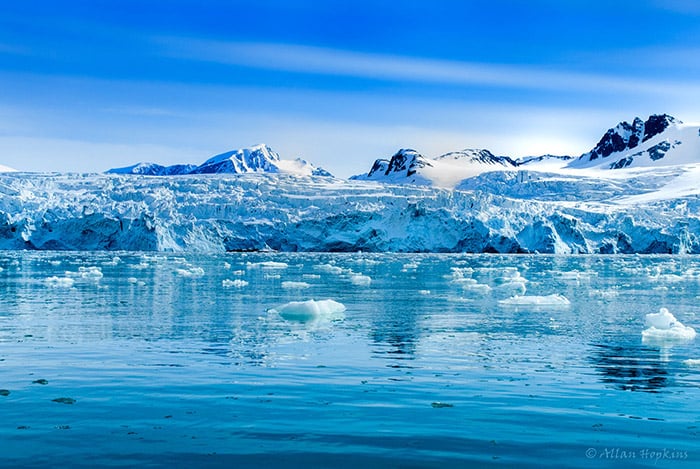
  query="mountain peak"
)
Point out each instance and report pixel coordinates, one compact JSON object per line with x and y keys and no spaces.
{"x":256,"y":159}
{"x":626,"y":136}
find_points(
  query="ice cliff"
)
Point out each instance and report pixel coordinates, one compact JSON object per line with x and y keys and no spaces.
{"x":286,"y":213}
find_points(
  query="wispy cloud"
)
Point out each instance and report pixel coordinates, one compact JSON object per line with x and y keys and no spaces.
{"x":324,"y":61}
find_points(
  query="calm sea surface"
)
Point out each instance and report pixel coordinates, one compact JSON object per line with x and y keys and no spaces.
{"x":150,"y":360}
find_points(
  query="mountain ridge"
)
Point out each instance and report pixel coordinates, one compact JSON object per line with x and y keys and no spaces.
{"x":256,"y":159}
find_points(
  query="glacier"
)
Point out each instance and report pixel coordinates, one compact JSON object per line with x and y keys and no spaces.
{"x":508,"y":212}
{"x":635,"y":192}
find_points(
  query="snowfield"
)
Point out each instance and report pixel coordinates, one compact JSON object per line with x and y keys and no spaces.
{"x":637,"y":191}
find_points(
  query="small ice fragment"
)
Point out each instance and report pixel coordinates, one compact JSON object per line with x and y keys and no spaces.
{"x":424,"y":292}
{"x":664,"y":325}
{"x":227,"y":265}
{"x":534,"y":300}
{"x":233,"y":283}
{"x":295,"y":285}
{"x":191,"y":272}
{"x":692,"y":362}
{"x":240,"y":273}
{"x":310,"y":310}
{"x":464,"y":281}
{"x":512,"y":288}
{"x":91,"y":272}
{"x":410,"y":266}
{"x":60,"y":282}
{"x":132,"y":280}
{"x":269,"y":265}
{"x":329,"y":269}
{"x":361,"y":280}
{"x":477,"y":288}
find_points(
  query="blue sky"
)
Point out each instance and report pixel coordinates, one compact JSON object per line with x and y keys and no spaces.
{"x":89,"y":85}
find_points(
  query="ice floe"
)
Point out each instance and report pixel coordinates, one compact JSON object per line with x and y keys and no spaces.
{"x":361,"y":280}
{"x":268,"y":265}
{"x":310,"y":310}
{"x":535,"y":300}
{"x":664,"y":326}
{"x":289,"y":285}
{"x":60,"y":282}
{"x":238,"y":283}
{"x":190,"y":272}
{"x":93,"y":273}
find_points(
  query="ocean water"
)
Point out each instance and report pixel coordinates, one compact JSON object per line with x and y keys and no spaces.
{"x":150,"y":360}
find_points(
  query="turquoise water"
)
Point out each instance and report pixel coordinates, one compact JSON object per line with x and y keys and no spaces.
{"x":150,"y":360}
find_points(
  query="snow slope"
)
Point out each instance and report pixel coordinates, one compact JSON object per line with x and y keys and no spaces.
{"x":410,"y":167}
{"x":257,"y":159}
{"x":6,"y":169}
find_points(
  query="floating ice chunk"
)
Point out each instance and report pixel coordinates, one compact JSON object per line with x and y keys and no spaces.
{"x":295,"y":285}
{"x":410,"y":266}
{"x":329,"y":269}
{"x":115,"y":261}
{"x":477,"y":288}
{"x":311,"y":276}
{"x":240,"y":273}
{"x":361,"y":280}
{"x":534,"y":300}
{"x":132,"y":280}
{"x":271,"y":276}
{"x":233,"y":283}
{"x":459,"y":272}
{"x":664,"y":325}
{"x":191,"y":272}
{"x":90,"y":272}
{"x":269,"y":265}
{"x":311,"y":310}
{"x":692,"y":362}
{"x":424,"y":292}
{"x":511,"y":275}
{"x":55,"y":263}
{"x":60,"y":282}
{"x":227,"y":266}
{"x":511,"y":288}
{"x":93,"y":273}
{"x":464,"y":281}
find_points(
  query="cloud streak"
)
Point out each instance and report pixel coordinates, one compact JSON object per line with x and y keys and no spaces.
{"x":335,"y":62}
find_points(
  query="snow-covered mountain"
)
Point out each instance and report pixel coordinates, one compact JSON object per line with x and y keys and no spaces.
{"x":6,"y":169}
{"x":257,"y":159}
{"x":661,"y":140}
{"x":408,"y":166}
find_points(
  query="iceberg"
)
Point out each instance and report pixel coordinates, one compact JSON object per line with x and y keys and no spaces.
{"x":310,"y":310}
{"x":664,"y":326}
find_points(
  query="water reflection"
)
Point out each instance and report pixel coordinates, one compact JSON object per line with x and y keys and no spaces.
{"x":632,"y":368}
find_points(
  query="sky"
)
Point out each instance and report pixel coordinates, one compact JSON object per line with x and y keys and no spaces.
{"x":90,"y":85}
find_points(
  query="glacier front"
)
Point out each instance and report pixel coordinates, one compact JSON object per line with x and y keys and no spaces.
{"x":507,"y":212}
